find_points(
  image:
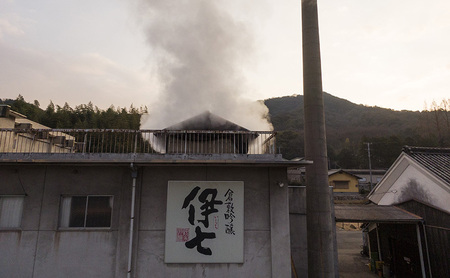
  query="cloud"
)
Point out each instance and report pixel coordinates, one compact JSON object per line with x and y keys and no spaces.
{"x":386,"y":55}
{"x":9,"y":28}
{"x":80,"y":79}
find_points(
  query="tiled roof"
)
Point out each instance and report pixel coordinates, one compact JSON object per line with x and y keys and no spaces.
{"x":436,"y":160}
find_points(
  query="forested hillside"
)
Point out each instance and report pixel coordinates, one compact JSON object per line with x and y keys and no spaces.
{"x":350,"y":127}
{"x":82,"y":116}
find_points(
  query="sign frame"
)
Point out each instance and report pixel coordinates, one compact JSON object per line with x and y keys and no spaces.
{"x":204,"y":222}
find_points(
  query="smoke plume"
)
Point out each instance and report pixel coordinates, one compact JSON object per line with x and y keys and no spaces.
{"x":200,"y":52}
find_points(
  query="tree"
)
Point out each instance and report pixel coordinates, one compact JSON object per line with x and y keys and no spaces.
{"x":83,"y":116}
{"x":435,"y":124}
{"x":290,"y":143}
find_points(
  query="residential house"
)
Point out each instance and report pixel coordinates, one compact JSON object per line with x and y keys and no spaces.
{"x":343,"y":181}
{"x":417,"y":182}
{"x":362,"y":177}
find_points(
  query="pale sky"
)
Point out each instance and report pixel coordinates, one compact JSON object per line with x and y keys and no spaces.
{"x":386,"y":53}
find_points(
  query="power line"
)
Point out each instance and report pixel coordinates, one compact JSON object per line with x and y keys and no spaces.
{"x":370,"y":165}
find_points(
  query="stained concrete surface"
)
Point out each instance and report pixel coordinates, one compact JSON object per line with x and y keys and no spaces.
{"x":351,"y":263}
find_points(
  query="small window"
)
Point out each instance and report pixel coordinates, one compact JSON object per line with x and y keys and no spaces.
{"x":341,"y":184}
{"x":86,"y":212}
{"x":11,"y":208}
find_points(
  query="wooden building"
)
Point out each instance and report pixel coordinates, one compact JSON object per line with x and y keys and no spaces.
{"x":419,"y":182}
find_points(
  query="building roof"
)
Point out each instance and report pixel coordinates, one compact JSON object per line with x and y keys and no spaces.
{"x":340,"y":171}
{"x":374,"y":213}
{"x":34,"y":125}
{"x":206,"y":121}
{"x":264,"y":160}
{"x":419,"y":173}
{"x":436,"y":160}
{"x":366,"y":171}
{"x":5,"y":111}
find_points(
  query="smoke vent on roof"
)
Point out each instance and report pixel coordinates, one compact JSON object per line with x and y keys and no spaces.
{"x":206,"y":121}
{"x":206,"y":133}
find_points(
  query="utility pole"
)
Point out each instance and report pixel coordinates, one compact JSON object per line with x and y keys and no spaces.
{"x":370,"y":165}
{"x":321,"y":230}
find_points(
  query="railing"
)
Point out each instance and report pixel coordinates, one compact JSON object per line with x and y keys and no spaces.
{"x":136,"y":141}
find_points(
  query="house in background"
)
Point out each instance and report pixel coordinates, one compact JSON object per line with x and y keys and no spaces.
{"x":418,"y":182}
{"x":368,"y":178}
{"x":343,"y":181}
{"x":22,"y":135}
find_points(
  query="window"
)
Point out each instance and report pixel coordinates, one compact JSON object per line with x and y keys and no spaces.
{"x":86,"y":211}
{"x":341,"y":184}
{"x":11,"y":208}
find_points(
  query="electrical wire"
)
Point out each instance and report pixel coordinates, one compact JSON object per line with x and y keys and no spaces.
{"x":21,"y":184}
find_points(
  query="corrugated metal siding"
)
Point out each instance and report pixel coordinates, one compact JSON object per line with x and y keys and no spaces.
{"x":437,"y":226}
{"x":438,"y":244}
{"x":432,"y":216}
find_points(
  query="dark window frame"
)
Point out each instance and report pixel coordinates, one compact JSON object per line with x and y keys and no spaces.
{"x":341,"y":184}
{"x":89,"y":214}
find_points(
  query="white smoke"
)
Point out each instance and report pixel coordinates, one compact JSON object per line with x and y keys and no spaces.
{"x":200,"y":52}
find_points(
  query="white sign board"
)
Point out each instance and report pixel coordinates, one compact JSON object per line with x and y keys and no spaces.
{"x":205,"y":222}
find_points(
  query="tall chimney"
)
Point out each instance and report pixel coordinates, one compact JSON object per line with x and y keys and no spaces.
{"x":321,"y":235}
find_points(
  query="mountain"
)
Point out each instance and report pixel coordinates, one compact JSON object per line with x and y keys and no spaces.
{"x":349,"y":127}
{"x":343,"y":118}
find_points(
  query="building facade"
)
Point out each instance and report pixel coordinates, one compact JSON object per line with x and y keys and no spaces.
{"x":417,"y":182}
{"x":90,"y":237}
{"x":100,"y":212}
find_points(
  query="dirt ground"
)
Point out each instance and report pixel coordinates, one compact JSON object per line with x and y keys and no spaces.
{"x":351,"y":263}
{"x":348,"y":226}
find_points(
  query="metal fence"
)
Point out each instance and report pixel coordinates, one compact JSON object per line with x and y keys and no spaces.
{"x":136,"y":141}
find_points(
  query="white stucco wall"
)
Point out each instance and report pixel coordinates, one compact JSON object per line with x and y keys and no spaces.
{"x":414,"y":183}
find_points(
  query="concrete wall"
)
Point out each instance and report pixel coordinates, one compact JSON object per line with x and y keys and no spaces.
{"x":297,"y":218}
{"x":263,"y":254}
{"x":298,"y":229}
{"x":41,"y":249}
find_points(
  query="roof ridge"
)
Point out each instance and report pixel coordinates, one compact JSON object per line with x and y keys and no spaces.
{"x":415,"y":149}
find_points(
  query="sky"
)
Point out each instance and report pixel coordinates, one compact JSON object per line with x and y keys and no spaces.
{"x":391,"y":54}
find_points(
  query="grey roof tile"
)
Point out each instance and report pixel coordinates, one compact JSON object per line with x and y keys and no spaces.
{"x":436,"y":160}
